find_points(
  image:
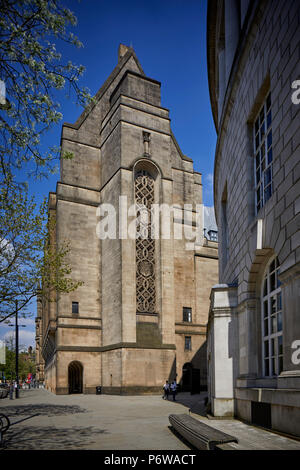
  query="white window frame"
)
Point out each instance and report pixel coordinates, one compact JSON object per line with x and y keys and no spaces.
{"x":187,"y":310}
{"x":271,"y":321}
{"x":263,"y":154}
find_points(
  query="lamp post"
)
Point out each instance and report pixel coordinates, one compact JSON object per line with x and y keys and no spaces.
{"x":17,"y":352}
{"x":17,"y":349}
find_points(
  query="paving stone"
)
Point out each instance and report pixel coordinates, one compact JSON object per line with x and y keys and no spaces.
{"x":104,"y":422}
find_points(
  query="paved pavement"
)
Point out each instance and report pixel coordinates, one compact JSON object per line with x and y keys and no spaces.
{"x":105,"y":422}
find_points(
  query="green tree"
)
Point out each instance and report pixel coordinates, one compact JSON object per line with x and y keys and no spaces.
{"x":26,"y":362}
{"x":30,"y":263}
{"x":9,"y":368}
{"x":32,"y":71}
{"x":26,"y":365}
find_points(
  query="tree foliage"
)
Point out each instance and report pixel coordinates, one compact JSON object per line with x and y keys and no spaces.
{"x":32,"y":71}
{"x":26,"y":362}
{"x":30,"y":262}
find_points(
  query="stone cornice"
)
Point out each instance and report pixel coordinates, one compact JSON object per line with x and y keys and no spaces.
{"x":81,"y":327}
{"x":192,"y":333}
{"x":191,"y":325}
{"x":111,"y":347}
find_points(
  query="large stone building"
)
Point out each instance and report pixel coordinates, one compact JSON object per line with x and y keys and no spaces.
{"x":140,"y":317}
{"x":254,"y":322}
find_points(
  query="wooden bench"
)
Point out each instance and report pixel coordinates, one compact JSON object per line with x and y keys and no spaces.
{"x":199,"y":434}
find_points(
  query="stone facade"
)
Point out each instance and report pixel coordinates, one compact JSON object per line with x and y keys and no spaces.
{"x":128,"y":334}
{"x":254,"y":324}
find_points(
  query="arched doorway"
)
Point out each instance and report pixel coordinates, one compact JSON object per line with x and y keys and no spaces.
{"x":187,"y":377}
{"x":190,"y":378}
{"x":75,"y":376}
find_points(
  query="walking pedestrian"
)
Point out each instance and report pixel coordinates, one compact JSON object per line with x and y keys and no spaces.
{"x":173,"y":389}
{"x":166,"y":388}
{"x":11,"y":391}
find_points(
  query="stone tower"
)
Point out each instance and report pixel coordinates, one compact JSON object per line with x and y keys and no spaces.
{"x":140,"y":317}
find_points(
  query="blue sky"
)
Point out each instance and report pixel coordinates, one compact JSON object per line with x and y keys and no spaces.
{"x":169,"y":38}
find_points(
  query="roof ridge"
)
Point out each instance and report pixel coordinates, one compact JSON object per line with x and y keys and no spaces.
{"x":123,"y":60}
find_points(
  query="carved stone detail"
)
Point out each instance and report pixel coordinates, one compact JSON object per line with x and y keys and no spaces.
{"x":145,"y":245}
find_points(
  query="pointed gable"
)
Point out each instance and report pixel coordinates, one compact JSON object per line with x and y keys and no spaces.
{"x":127,"y":60}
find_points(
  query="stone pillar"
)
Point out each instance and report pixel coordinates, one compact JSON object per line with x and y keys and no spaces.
{"x":167,"y":281}
{"x":248,"y":354}
{"x":128,"y":288}
{"x":222,"y":341}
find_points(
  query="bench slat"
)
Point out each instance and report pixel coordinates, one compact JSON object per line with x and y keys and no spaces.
{"x":199,"y":434}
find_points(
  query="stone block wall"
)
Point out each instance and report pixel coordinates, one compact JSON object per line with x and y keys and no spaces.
{"x":266,"y":59}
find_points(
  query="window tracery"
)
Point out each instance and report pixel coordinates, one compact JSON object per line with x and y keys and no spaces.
{"x":145,"y":244}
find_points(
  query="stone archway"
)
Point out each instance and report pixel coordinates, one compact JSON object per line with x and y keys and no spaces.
{"x":256,"y":270}
{"x":75,"y":377}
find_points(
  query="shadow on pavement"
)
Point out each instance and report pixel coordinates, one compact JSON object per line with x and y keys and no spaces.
{"x":42,"y":409}
{"x":194,"y":403}
{"x":50,"y":438}
{"x":47,"y":437}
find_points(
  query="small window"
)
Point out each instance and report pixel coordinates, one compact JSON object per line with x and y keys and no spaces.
{"x":188,"y":343}
{"x":187,"y":314}
{"x":213,"y":235}
{"x":75,"y":307}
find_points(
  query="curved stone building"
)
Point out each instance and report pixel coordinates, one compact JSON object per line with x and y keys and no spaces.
{"x":254,"y":323}
{"x":140,"y":317}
